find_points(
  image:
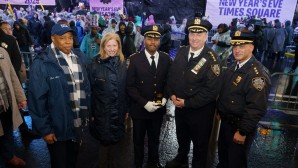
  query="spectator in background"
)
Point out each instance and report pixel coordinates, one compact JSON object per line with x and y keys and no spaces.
{"x":278,"y":41}
{"x":138,"y":38}
{"x":258,"y":45}
{"x":90,"y":44}
{"x":295,"y":64}
{"x":9,"y":43}
{"x":128,"y":43}
{"x":47,"y":27}
{"x":165,"y":42}
{"x":35,"y":29}
{"x":5,"y":26}
{"x":24,"y":40}
{"x":12,"y":98}
{"x":121,"y":32}
{"x":290,"y":32}
{"x":221,"y":43}
{"x":269,"y":33}
{"x":111,"y":27}
{"x":76,"y":43}
{"x":81,"y":32}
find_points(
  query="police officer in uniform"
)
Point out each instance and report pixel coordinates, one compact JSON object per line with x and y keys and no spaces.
{"x":242,"y":102}
{"x":193,"y":87}
{"x":146,"y":80}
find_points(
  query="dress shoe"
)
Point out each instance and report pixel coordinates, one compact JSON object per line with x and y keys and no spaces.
{"x":175,"y":164}
{"x":17,"y":162}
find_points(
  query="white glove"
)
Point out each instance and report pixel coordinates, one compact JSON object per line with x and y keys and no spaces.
{"x":151,"y":106}
{"x":163,"y":101}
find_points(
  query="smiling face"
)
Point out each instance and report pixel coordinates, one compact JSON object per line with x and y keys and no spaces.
{"x":151,"y":44}
{"x":64,"y":42}
{"x":197,"y":40}
{"x":111,"y":48}
{"x":243,"y":52}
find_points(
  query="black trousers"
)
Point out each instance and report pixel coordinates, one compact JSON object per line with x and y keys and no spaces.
{"x":110,"y":155}
{"x":194,"y":126}
{"x":152,"y":128}
{"x":64,"y":154}
{"x":231,"y":154}
{"x":6,"y":141}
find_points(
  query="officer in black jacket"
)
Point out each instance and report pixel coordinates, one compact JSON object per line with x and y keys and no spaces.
{"x":146,"y":80}
{"x":193,"y":87}
{"x":241,"y":103}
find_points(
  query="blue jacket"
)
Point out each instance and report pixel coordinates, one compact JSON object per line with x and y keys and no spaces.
{"x":90,"y":47}
{"x":48,"y":97}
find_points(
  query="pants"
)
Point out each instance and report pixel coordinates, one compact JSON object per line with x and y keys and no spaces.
{"x":109,"y":155}
{"x":152,"y":128}
{"x":195,"y":126}
{"x":6,"y":141}
{"x":64,"y":154}
{"x":231,"y":154}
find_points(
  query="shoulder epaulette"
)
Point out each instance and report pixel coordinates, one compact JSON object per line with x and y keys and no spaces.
{"x":164,"y":52}
{"x":212,"y":55}
{"x":255,"y":69}
{"x":134,"y":54}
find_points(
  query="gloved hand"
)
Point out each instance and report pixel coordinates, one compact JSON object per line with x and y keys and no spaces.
{"x":151,"y":106}
{"x":163,"y":101}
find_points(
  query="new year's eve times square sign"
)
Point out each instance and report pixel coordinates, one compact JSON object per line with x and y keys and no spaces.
{"x":223,"y":11}
{"x":106,"y":6}
{"x":29,"y":2}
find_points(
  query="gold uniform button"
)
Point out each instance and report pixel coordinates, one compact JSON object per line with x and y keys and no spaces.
{"x":232,"y":101}
{"x":154,"y":92}
{"x":142,"y":81}
{"x":154,"y":84}
{"x":190,"y":89}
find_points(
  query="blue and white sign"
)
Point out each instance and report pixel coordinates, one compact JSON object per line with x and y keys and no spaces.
{"x":223,"y":11}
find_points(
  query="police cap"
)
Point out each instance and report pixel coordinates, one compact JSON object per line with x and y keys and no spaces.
{"x":153,"y":31}
{"x":199,"y":25}
{"x":241,"y":37}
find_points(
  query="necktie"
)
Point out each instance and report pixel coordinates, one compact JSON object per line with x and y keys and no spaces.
{"x":191,"y":56}
{"x":153,"y":66}
{"x":237,"y":67}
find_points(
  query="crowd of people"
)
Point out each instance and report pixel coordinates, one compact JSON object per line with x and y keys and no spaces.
{"x":95,"y":74}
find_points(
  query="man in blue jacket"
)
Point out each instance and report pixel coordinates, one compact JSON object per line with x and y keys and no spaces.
{"x":59,"y":97}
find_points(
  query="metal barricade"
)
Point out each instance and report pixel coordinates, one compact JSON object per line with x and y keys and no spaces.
{"x":28,"y":58}
{"x":284,"y":93}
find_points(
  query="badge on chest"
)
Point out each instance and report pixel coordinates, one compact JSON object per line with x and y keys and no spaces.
{"x":237,"y":80}
{"x":199,"y":65}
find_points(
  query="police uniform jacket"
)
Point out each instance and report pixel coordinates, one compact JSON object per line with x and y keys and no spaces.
{"x":143,"y":84}
{"x":198,"y":90}
{"x":244,"y":94}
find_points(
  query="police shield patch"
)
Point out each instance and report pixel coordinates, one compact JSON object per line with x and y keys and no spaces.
{"x":216,"y":69}
{"x":258,"y":83}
